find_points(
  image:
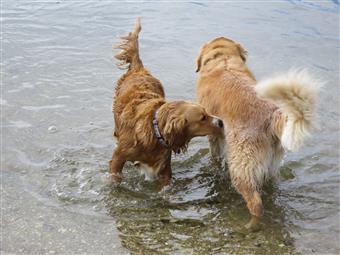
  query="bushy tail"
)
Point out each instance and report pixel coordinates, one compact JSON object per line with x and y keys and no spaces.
{"x":295,"y":94}
{"x":130,"y":50}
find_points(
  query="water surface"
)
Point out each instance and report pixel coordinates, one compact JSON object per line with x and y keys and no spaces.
{"x":58,"y":75}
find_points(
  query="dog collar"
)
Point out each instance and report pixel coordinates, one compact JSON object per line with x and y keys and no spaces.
{"x":157,"y":131}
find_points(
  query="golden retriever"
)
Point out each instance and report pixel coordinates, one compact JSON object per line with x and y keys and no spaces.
{"x":260,"y":119}
{"x":147,"y":127}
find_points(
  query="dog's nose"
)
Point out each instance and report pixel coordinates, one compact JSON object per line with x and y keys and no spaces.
{"x":218,"y":122}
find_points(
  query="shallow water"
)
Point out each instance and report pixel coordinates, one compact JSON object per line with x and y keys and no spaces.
{"x":58,"y":76}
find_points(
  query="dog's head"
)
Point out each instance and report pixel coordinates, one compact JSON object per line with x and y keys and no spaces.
{"x":220,"y":48}
{"x":185,"y":120}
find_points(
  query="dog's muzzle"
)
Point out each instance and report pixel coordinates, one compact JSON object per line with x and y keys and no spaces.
{"x":217,"y":122}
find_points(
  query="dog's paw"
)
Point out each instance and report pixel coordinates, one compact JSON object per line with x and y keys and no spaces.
{"x":112,"y":179}
{"x":253,"y":225}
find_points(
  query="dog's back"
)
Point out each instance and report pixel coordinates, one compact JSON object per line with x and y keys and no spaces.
{"x":234,"y":100}
{"x":251,"y":143}
{"x":137,"y":86}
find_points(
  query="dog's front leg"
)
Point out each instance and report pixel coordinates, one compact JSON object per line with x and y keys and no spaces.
{"x":164,"y":176}
{"x":116,"y":165}
{"x":217,"y":146}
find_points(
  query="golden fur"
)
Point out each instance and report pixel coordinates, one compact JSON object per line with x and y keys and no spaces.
{"x":137,"y":97}
{"x":260,"y":119}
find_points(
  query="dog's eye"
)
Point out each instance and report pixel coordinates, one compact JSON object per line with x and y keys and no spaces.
{"x":203,"y":118}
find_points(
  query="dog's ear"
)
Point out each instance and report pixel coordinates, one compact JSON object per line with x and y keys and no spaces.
{"x":198,"y":63}
{"x":199,"y":59}
{"x":174,"y":130}
{"x":242,"y":51}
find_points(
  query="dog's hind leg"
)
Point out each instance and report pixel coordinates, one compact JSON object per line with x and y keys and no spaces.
{"x":247,"y":177}
{"x":253,"y":200}
{"x":116,"y":164}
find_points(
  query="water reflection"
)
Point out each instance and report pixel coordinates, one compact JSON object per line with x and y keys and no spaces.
{"x":199,"y":213}
{"x":58,"y":72}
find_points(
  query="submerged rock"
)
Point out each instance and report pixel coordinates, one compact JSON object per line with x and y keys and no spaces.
{"x":286,"y":173}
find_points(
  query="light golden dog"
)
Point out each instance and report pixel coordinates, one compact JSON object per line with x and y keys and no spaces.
{"x":147,"y":127}
{"x":261,"y":119}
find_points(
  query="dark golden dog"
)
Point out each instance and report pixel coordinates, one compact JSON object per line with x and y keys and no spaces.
{"x":261,"y":119}
{"x":147,"y":127}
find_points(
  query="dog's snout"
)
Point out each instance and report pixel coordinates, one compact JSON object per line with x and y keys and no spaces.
{"x":218,"y":122}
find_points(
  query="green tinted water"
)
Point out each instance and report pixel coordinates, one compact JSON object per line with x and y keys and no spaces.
{"x":58,"y":78}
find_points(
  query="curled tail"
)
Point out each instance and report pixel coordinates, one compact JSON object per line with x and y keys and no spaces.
{"x":130,"y":50}
{"x":295,"y":94}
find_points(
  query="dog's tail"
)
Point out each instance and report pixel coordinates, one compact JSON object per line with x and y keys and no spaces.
{"x":130,"y":50}
{"x":295,"y":94}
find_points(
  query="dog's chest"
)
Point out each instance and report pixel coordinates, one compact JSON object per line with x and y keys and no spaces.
{"x":149,"y":172}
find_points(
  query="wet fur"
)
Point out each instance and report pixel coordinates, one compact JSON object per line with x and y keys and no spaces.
{"x":137,"y":96}
{"x":261,"y":119}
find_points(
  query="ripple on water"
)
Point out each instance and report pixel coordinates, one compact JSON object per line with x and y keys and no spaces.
{"x":3,"y":101}
{"x":53,"y":56}
{"x":20,"y":124}
{"x":43,"y":107}
{"x":198,"y":207}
